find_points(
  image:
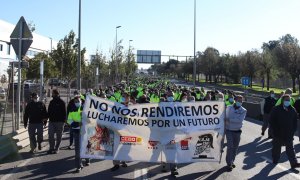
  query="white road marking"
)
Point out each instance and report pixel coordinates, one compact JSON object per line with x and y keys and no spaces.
{"x":141,"y":174}
{"x":282,"y":168}
{"x":16,"y":169}
{"x":24,"y":163}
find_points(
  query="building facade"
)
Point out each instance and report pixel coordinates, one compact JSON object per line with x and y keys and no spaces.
{"x":7,"y":54}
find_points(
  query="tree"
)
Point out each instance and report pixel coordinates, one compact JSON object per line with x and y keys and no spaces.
{"x":3,"y":79}
{"x":249,"y":62}
{"x":33,"y":72}
{"x":208,"y":63}
{"x":287,"y":53}
{"x":65,"y":57}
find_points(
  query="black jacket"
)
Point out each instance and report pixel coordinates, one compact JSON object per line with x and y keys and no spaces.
{"x":283,"y":122}
{"x":297,"y":106}
{"x":269,"y":104}
{"x":57,"y":110}
{"x":35,"y":112}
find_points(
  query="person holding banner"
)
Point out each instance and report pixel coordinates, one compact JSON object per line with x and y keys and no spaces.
{"x":75,"y":119}
{"x":235,"y":115}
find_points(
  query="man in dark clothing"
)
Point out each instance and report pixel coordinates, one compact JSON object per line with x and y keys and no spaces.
{"x":57,"y":118}
{"x":36,"y":115}
{"x":283,"y":122}
{"x":270,"y":102}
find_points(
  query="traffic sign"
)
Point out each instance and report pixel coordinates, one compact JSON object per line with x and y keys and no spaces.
{"x":24,"y":64}
{"x":21,"y":31}
{"x":245,"y":81}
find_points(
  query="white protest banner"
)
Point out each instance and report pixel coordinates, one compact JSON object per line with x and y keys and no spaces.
{"x":172,"y":132}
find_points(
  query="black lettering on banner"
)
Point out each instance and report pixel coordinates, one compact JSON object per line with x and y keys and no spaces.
{"x":94,"y":115}
{"x":169,"y":111}
{"x":207,"y":110}
{"x":113,"y":119}
{"x":197,"y":112}
{"x":105,"y":108}
{"x":99,"y":117}
{"x":160,"y":112}
{"x":144,"y":112}
{"x":133,"y":112}
{"x":175,"y":111}
{"x":167,"y":123}
{"x":125,"y":112}
{"x":116,"y":109}
{"x":216,"y":110}
{"x":178,"y":122}
{"x":180,"y":111}
{"x":216,"y":120}
{"x":119,"y":121}
{"x":94,"y":104}
{"x":106,"y":117}
{"x":187,"y":111}
{"x":152,"y":112}
{"x":146,"y":122}
{"x":140,"y":122}
{"x":132,"y":121}
{"x":125,"y":120}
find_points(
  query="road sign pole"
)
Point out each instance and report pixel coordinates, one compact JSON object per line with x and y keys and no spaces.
{"x":19,"y":77}
{"x":41,"y":79}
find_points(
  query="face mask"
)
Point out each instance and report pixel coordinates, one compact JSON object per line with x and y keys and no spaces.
{"x":184,"y":100}
{"x":35,"y":100}
{"x":78,"y":104}
{"x":122,"y":100}
{"x":272,"y":95}
{"x":238,"y":104}
{"x":286,"y":103}
{"x":230,"y":100}
{"x":170,"y":99}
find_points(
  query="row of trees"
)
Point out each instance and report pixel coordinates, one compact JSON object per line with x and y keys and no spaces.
{"x":62,"y":63}
{"x":276,"y":59}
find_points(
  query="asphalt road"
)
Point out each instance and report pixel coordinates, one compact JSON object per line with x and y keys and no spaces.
{"x":253,"y":162}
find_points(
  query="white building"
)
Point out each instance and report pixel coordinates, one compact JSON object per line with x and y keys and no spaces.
{"x":7,"y":53}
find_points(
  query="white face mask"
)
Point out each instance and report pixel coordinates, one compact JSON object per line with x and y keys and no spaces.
{"x":36,"y":100}
{"x":78,"y":104}
{"x":170,"y":99}
{"x":184,"y":100}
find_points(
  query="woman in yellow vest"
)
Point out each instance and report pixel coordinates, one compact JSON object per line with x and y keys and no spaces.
{"x":74,"y":119}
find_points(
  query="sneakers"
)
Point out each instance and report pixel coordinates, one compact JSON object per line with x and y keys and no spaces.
{"x":70,"y":147}
{"x":297,"y":165}
{"x":164,"y":169}
{"x":40,"y":146}
{"x":229,"y":168}
{"x":123,"y":164}
{"x":233,"y":165}
{"x":32,"y":150}
{"x":116,"y":167}
{"x":174,"y":172}
{"x":50,"y":151}
{"x":78,"y":170}
{"x":87,"y":164}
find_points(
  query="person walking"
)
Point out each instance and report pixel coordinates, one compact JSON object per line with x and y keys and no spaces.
{"x":75,"y":120}
{"x":283,"y":121}
{"x":70,"y":108}
{"x":235,"y":115}
{"x":35,"y":117}
{"x":57,"y":118}
{"x":270,"y":102}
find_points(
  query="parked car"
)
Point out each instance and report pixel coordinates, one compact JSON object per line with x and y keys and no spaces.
{"x":54,"y":82}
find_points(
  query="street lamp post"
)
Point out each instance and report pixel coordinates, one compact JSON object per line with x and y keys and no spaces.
{"x":194,"y":67}
{"x":79,"y":52}
{"x":117,"y":70}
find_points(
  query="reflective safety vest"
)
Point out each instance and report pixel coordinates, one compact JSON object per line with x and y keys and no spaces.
{"x":117,"y":96}
{"x":279,"y":101}
{"x":227,"y":103}
{"x":198,"y":96}
{"x":112,"y":99}
{"x":74,"y":117}
{"x":154,"y":98}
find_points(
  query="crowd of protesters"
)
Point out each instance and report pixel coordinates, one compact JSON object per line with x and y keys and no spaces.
{"x":145,"y":90}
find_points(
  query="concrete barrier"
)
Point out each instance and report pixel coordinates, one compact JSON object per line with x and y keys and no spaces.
{"x":12,"y":143}
{"x":253,"y":110}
